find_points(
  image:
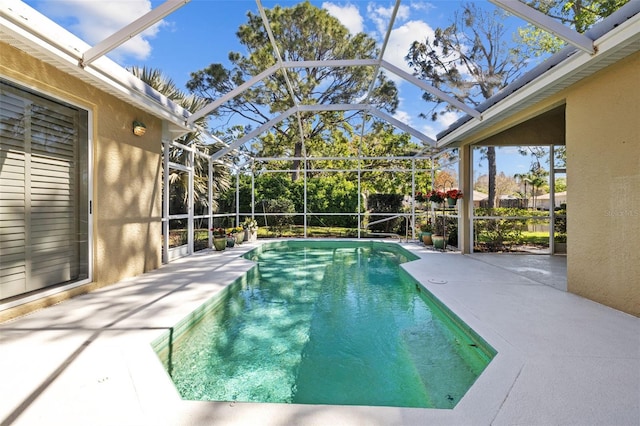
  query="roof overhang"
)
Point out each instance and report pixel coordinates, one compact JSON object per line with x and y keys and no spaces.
{"x":620,"y":38}
{"x":28,"y":30}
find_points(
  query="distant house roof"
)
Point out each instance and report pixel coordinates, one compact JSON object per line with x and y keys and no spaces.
{"x":548,"y":196}
{"x":479,"y":196}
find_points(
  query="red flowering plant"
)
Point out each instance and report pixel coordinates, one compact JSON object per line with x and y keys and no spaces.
{"x":436,"y":196}
{"x":420,"y":197}
{"x":454,"y":194}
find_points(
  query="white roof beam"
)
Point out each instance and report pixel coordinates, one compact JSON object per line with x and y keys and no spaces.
{"x":399,"y":124}
{"x":131,"y":30}
{"x":334,"y":107}
{"x":318,"y":108}
{"x":373,"y":111}
{"x":232,"y":94}
{"x":429,"y":88}
{"x":394,"y":13}
{"x":266,"y":126}
{"x":274,"y":45}
{"x":547,"y":23}
{"x":382,"y":50}
{"x":376,"y":72}
{"x":276,"y":51}
{"x":331,"y":63}
{"x":271,"y":70}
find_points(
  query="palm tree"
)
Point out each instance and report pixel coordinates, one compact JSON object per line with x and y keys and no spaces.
{"x":523,"y":178}
{"x":179,"y":179}
{"x":536,"y":178}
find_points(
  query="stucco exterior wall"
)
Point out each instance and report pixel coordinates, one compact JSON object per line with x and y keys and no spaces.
{"x":603,"y":179}
{"x":602,"y":115}
{"x":127,"y":170}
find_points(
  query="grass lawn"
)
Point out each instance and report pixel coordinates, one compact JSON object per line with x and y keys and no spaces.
{"x":536,"y":238}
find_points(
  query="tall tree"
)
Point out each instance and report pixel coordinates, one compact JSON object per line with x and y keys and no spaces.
{"x":535,"y":178}
{"x":505,"y":185}
{"x":470,"y":60}
{"x":302,"y":33}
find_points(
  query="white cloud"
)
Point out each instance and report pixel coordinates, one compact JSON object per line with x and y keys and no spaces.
{"x":448,"y":118}
{"x":348,"y":15}
{"x":432,"y":128}
{"x":423,"y":7}
{"x":400,"y":40}
{"x":382,"y":15}
{"x":404,"y":117}
{"x":93,"y":21}
{"x":510,"y":149}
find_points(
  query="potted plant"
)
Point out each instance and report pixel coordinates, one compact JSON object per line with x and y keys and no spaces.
{"x":219,"y":238}
{"x":560,"y":243}
{"x":420,"y":197}
{"x":436,"y":197}
{"x":438,"y":241}
{"x":426,"y":231}
{"x":250,"y":227}
{"x":453,"y":195}
{"x":231,"y":239}
{"x":438,"y":234}
{"x":238,"y":234}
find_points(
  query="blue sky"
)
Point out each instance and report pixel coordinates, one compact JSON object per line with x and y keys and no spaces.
{"x":203,"y":32}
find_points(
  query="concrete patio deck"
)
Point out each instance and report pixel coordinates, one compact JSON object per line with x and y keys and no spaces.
{"x":561,"y":359}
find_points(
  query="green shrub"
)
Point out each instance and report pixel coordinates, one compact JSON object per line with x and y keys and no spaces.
{"x":501,"y":234}
{"x":385,"y":203}
{"x":277,"y":223}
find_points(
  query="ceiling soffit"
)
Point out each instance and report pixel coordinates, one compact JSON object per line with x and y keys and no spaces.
{"x":547,"y":128}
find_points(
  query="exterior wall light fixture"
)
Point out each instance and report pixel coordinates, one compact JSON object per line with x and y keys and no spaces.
{"x":139,"y":128}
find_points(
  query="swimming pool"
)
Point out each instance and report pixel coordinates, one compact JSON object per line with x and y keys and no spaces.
{"x":319,"y":322}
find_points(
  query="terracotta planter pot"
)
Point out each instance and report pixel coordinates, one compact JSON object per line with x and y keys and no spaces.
{"x":426,"y":238}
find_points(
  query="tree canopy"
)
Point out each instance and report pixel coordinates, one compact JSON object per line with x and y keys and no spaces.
{"x":469,"y":60}
{"x":303,"y":33}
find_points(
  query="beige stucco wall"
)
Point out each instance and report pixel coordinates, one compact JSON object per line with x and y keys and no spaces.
{"x":127,"y":170}
{"x":603,"y":178}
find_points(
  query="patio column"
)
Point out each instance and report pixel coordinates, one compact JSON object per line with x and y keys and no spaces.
{"x":465,"y":213}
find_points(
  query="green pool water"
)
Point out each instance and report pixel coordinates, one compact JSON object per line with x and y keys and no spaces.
{"x":325,"y":323}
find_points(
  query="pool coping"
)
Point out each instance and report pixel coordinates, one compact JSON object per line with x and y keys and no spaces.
{"x":99,"y":352}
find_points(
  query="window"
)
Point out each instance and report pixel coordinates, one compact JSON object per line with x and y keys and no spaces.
{"x":44,"y":187}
